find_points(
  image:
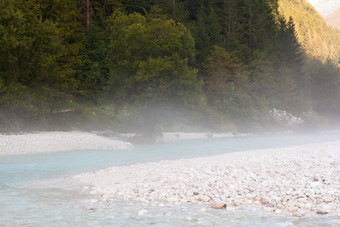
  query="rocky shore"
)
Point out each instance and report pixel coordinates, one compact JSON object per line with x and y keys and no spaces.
{"x":300,"y":180}
{"x":41,"y":142}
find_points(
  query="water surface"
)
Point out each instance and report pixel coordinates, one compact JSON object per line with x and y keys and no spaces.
{"x":35,"y":190}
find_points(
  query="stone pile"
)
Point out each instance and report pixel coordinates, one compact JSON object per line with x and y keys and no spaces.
{"x":42,"y":142}
{"x":299,"y":180}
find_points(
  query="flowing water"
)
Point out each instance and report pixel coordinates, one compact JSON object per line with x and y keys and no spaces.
{"x":36,"y":190}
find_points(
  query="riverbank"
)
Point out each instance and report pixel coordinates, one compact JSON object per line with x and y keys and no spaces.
{"x":299,"y":180}
{"x":43,"y":142}
{"x":56,"y":141}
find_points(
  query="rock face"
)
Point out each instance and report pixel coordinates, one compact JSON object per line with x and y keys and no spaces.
{"x":300,"y":180}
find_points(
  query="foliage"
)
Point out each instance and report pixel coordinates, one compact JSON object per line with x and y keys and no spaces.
{"x":156,"y":65}
{"x":325,"y":90}
{"x":148,"y":61}
{"x":32,"y":71}
{"x":92,"y":72}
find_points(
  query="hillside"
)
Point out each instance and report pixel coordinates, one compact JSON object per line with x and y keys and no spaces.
{"x":317,"y":38}
{"x":334,"y":19}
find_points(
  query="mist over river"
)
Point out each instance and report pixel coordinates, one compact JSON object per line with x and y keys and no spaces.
{"x":43,"y":190}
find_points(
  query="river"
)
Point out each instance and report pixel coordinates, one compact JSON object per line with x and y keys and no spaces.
{"x":35,"y":189}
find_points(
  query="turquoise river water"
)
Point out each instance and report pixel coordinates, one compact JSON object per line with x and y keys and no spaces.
{"x":35,"y":189}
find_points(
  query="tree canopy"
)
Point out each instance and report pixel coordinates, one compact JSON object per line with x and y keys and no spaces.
{"x":223,"y":61}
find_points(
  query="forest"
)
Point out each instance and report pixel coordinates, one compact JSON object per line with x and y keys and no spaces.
{"x":153,"y":65}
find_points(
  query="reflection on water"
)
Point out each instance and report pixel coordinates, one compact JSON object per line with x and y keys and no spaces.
{"x":35,"y":189}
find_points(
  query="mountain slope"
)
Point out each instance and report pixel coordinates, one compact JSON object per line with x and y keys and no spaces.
{"x":320,"y":40}
{"x":334,"y":19}
{"x":325,"y":7}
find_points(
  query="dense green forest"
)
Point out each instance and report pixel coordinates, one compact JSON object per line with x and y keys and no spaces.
{"x":156,"y":64}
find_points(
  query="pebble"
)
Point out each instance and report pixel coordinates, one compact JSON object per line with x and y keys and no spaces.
{"x":188,"y":218}
{"x":292,"y":209}
{"x":203,"y":210}
{"x":205,"y":198}
{"x":278,"y":211}
{"x":142,"y":212}
{"x":325,"y":209}
{"x":302,"y":200}
{"x":218,"y":205}
{"x":257,"y":203}
{"x":321,"y":212}
{"x":250,"y":196}
{"x":268,"y":209}
{"x":93,"y":201}
{"x":264,"y":201}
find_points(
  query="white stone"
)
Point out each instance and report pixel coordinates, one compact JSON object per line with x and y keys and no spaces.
{"x":188,"y":218}
{"x":142,"y":212}
{"x":205,"y":198}
{"x":203,"y":210}
{"x":250,"y":196}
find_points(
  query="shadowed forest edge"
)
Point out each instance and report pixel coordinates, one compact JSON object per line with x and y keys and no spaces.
{"x":224,"y":65}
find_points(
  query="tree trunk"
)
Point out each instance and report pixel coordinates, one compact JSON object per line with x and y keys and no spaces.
{"x":250,"y":30}
{"x":87,"y":15}
{"x":229,"y":23}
